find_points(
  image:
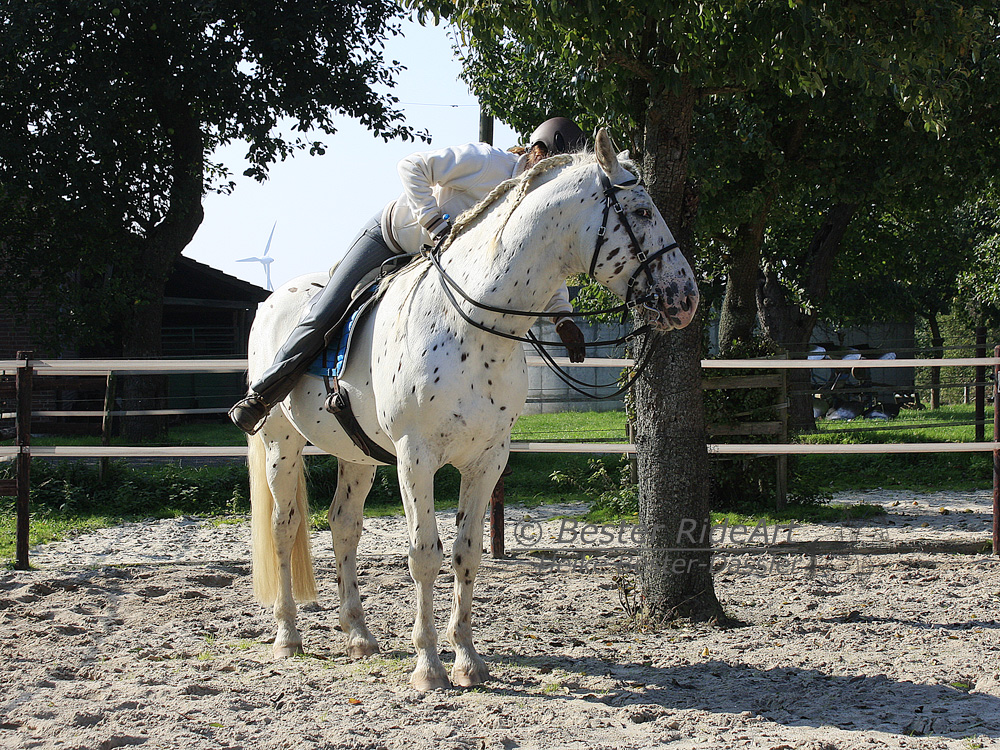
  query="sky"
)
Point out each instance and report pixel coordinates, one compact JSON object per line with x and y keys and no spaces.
{"x":317,"y":204}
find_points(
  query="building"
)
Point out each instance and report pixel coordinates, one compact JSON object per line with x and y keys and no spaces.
{"x":206,"y":314}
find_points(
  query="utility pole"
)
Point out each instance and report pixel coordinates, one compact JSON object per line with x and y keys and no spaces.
{"x":485,"y":126}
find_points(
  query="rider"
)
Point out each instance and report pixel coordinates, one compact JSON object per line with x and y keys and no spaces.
{"x":436,"y":185}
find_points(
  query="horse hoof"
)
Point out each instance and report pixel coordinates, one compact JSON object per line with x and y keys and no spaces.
{"x":286,"y":652}
{"x":470,"y":675}
{"x":362,"y":649}
{"x":426,"y":680}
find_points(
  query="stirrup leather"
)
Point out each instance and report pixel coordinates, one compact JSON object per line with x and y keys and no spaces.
{"x":338,"y":404}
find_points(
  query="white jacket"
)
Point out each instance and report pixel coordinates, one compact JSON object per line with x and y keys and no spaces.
{"x":449,"y":181}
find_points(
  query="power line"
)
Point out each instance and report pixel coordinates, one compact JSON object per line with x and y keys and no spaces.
{"x":427,"y":104}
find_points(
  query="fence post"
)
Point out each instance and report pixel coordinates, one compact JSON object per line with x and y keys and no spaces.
{"x":633,"y":461}
{"x":937,"y":351}
{"x":781,"y":480}
{"x":496,"y":517}
{"x":996,"y":453}
{"x":106,"y":421}
{"x":980,"y":386}
{"x":23,"y":437}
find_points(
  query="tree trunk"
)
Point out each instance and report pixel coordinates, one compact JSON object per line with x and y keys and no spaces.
{"x":154,"y":260}
{"x":790,"y":327}
{"x":676,"y":571}
{"x":738,"y":317}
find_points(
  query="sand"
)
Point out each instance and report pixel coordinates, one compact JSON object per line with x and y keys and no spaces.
{"x":147,"y":635}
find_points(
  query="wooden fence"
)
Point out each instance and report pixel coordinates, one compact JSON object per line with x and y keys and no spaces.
{"x":26,"y":369}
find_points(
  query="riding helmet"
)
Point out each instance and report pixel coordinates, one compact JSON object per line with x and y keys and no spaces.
{"x":559,"y":135}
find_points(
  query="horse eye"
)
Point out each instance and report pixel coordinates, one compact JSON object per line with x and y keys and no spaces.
{"x":645,"y":213}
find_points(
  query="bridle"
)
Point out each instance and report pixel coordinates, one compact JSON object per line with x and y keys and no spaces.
{"x":649,"y":299}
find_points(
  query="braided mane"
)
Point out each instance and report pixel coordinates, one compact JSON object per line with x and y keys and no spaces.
{"x":521,"y":182}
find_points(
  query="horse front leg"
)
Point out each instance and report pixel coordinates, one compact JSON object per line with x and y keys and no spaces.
{"x":477,"y":486}
{"x":416,"y":484}
{"x":346,"y":517}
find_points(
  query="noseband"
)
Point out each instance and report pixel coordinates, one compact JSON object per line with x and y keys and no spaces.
{"x":649,"y":299}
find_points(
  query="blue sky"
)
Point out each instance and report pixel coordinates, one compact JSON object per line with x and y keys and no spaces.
{"x":320,"y":202}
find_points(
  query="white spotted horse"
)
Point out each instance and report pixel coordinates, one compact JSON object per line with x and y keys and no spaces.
{"x":435,"y":379}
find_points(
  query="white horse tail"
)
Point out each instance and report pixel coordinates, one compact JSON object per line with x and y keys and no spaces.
{"x":265,"y":555}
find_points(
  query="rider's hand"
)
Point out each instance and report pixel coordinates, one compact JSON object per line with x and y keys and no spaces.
{"x":439,"y":228}
{"x":571,"y":335}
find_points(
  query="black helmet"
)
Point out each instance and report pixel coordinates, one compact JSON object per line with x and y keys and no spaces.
{"x":559,"y":135}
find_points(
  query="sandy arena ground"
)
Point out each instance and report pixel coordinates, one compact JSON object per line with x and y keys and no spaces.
{"x":147,"y":635}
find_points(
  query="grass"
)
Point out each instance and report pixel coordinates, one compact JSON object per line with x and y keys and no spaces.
{"x":825,"y":474}
{"x":949,"y":424}
{"x":826,"y":513}
{"x":189,"y":434}
{"x":576,"y":427}
{"x":925,"y":472}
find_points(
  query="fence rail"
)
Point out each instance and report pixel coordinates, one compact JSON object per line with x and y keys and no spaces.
{"x":26,"y":368}
{"x":78,"y":367}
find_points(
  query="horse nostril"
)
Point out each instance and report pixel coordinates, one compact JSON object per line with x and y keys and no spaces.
{"x":686,"y":304}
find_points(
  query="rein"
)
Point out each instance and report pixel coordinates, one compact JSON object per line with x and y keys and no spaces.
{"x":648,"y":300}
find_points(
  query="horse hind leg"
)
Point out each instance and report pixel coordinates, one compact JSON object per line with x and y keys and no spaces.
{"x":346,"y":517}
{"x":282,"y":565}
{"x":477,"y":486}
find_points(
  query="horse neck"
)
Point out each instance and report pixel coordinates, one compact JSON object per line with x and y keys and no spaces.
{"x":517,"y":266}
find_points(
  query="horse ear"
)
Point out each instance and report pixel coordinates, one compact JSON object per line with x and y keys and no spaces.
{"x":606,"y":156}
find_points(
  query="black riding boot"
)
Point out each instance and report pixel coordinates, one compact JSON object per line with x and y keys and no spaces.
{"x":368,"y":251}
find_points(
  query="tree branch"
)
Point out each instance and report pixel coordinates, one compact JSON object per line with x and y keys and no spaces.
{"x":707,"y":91}
{"x":641,"y":70}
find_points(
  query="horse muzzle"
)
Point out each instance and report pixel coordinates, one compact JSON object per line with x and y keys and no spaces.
{"x":675,"y":306}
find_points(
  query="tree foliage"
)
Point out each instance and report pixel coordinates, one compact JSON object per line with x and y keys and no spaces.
{"x":917,"y":52}
{"x":978,"y":279}
{"x":647,"y":70}
{"x":109,"y":111}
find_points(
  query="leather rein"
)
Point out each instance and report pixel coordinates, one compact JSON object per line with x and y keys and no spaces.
{"x":633,"y":301}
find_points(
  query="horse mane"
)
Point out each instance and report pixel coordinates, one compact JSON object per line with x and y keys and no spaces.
{"x":522,"y":183}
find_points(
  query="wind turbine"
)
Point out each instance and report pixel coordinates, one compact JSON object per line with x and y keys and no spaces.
{"x":264,"y":260}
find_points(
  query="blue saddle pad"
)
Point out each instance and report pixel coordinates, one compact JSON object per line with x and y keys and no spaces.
{"x":330,"y":362}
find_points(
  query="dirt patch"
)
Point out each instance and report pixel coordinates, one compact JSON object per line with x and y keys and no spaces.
{"x":853,"y":652}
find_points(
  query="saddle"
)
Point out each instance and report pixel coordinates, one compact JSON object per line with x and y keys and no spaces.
{"x":330,"y":366}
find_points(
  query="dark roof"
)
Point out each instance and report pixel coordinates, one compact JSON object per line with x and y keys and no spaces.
{"x":193,"y":280}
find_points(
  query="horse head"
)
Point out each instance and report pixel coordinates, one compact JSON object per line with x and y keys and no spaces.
{"x":636,"y":256}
